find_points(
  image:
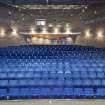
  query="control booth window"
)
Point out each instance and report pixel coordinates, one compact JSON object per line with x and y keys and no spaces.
{"x":40,"y":22}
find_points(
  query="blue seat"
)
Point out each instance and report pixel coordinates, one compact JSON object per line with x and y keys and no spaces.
{"x":87,"y":82}
{"x":89,"y":92}
{"x":3,"y":75}
{"x":56,"y":92}
{"x":12,"y":75}
{"x":100,"y":92}
{"x":78,"y":92}
{"x":100,"y":74}
{"x":84,"y":74}
{"x":32,"y":82}
{"x":20,"y":75}
{"x":4,"y":83}
{"x":35,"y":91}
{"x":77,"y":82}
{"x":52,"y":71}
{"x":67,"y":74}
{"x":60,"y":82}
{"x":92,"y":74}
{"x":68,"y":91}
{"x":103,"y":82}
{"x":45,"y":91}
{"x":50,"y":82}
{"x":14,"y":92}
{"x":24,"y":92}
{"x":97,"y":82}
{"x":13,"y":82}
{"x":45,"y":75}
{"x":28,"y":75}
{"x":68,"y":82}
{"x":3,"y":92}
{"x":37,"y":75}
{"x":22,"y":82}
{"x":76,"y":74}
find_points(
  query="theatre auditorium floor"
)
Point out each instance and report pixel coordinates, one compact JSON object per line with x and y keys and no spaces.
{"x":53,"y":102}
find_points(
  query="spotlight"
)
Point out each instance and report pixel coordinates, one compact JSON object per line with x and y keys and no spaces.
{"x":95,"y":12}
{"x":23,"y":18}
{"x":9,"y":12}
{"x":86,"y":7}
{"x":83,"y":10}
{"x":50,"y":25}
{"x":16,"y":6}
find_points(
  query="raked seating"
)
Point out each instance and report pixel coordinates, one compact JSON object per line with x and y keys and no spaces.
{"x":52,"y":72}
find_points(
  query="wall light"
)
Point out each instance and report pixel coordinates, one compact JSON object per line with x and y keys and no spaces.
{"x":44,"y":30}
{"x":56,"y":30}
{"x":32,"y":31}
{"x":2,"y":33}
{"x":68,"y":30}
{"x":100,"y":35}
{"x":69,"y":40}
{"x":14,"y":32}
{"x":87,"y":33}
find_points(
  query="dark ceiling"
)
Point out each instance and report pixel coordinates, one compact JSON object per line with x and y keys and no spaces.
{"x":52,"y":1}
